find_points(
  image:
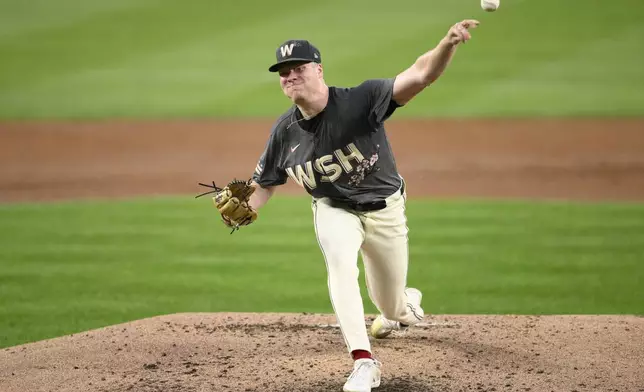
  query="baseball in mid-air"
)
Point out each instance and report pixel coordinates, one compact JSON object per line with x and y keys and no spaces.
{"x":490,"y":5}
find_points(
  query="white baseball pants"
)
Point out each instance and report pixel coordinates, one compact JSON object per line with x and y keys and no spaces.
{"x":381,"y":238}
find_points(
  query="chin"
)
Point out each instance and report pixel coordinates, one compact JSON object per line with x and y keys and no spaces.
{"x":296,"y":96}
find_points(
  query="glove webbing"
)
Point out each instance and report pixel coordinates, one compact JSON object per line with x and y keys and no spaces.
{"x":214,"y":188}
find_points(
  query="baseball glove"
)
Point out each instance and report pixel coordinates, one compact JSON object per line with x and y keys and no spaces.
{"x":232,"y":203}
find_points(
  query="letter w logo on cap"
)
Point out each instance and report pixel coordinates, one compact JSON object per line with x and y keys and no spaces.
{"x":287,"y":50}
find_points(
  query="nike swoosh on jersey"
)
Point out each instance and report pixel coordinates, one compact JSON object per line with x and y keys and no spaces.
{"x":295,"y":148}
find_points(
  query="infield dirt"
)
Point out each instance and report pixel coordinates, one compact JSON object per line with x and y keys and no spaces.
{"x":554,"y":159}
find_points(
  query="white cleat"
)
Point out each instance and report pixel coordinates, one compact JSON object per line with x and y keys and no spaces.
{"x":414,"y":296}
{"x":383,"y":327}
{"x":365,"y":375}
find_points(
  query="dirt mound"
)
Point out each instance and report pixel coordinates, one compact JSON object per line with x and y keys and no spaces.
{"x":305,"y":352}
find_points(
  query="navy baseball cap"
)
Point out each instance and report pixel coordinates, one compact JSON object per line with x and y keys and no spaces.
{"x":295,"y":50}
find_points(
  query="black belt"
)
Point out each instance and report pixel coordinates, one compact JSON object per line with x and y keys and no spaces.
{"x":363,"y":207}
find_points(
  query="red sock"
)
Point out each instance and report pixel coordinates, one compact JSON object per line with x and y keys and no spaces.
{"x":360,"y":354}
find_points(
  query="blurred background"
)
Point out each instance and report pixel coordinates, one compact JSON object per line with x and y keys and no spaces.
{"x":525,"y":161}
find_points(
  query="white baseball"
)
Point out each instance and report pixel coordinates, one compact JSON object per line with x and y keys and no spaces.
{"x":490,"y":5}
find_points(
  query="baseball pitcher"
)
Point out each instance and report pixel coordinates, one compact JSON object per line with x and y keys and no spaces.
{"x":332,"y":142}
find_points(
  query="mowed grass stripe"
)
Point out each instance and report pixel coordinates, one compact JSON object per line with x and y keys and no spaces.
{"x":201,"y":58}
{"x":81,"y":265}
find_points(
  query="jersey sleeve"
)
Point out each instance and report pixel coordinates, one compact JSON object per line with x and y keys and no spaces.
{"x":379,"y":97}
{"x":267,"y":172}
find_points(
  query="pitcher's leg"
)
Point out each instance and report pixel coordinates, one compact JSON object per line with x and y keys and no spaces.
{"x":340,"y":235}
{"x":385,"y":254}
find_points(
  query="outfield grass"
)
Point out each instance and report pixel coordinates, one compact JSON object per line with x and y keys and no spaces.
{"x":162,"y":58}
{"x":68,"y":267}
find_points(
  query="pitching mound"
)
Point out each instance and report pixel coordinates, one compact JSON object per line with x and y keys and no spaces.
{"x":304,"y":352}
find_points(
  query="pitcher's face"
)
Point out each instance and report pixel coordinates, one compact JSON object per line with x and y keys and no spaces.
{"x":299,"y":81}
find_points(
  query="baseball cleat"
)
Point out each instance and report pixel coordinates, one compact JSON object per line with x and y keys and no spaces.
{"x":365,"y":375}
{"x":414,"y":297}
{"x":383,"y":327}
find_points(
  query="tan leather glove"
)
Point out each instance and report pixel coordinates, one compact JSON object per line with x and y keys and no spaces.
{"x":232,"y":203}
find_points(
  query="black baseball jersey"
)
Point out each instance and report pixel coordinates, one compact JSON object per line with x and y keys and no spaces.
{"x":342,"y":152}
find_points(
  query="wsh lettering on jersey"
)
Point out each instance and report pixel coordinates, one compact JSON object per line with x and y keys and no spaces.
{"x":331,"y":169}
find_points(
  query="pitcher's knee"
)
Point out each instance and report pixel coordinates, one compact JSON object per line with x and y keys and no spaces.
{"x":339,"y":268}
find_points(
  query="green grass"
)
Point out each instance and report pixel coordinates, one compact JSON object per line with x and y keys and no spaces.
{"x":162,"y":58}
{"x":69,"y":267}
